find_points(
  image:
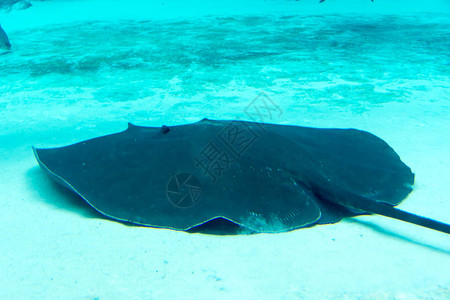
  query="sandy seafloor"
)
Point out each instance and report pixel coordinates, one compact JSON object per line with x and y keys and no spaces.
{"x":81,"y":69}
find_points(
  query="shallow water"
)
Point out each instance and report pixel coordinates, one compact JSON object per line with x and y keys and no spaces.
{"x":347,"y":61}
{"x":68,"y":81}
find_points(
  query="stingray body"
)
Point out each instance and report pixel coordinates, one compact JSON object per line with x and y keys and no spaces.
{"x":264,"y":177}
{"x":4,"y":41}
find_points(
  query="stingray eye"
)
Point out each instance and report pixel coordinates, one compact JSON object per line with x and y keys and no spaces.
{"x":165,"y":129}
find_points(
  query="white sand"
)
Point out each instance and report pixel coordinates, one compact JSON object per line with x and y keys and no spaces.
{"x":54,"y":247}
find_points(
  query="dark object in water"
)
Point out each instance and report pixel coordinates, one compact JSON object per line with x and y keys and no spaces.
{"x":4,"y":41}
{"x":264,"y":177}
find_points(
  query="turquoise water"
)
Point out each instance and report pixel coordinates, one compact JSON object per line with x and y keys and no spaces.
{"x":347,"y":61}
{"x":71,"y":80}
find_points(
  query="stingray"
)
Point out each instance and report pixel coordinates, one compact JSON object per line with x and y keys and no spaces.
{"x":262,"y":177}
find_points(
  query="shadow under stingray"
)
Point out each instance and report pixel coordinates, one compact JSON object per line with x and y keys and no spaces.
{"x":54,"y":194}
{"x":394,"y":234}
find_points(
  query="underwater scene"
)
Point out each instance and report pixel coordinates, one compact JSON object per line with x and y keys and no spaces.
{"x":261,"y":149}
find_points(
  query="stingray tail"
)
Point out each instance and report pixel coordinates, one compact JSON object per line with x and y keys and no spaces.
{"x":352,"y":201}
{"x":395,"y":213}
